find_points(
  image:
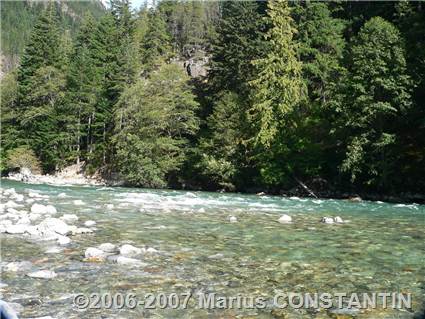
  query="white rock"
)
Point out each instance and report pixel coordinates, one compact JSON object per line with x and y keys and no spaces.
{"x":94,"y":252}
{"x":78,"y":202}
{"x":34,"y":216}
{"x":11,"y":204}
{"x":69,"y":218}
{"x":62,"y":195}
{"x":151,"y":250}
{"x":33,"y":230}
{"x":18,"y":197}
{"x":327,"y":220}
{"x":108,"y":247}
{"x":285,"y":219}
{"x":38,"y":209}
{"x":18,"y":266}
{"x":63,"y":240}
{"x":233,"y":219}
{"x":110,"y":206}
{"x":129,"y":250}
{"x":129,"y":261}
{"x":16,"y":229}
{"x":50,"y":209}
{"x":29,"y":200}
{"x":42,"y":274}
{"x":338,"y":220}
{"x":89,"y":223}
{"x":201,"y":210}
{"x":53,"y":250}
{"x":56,"y":225}
{"x":24,"y":221}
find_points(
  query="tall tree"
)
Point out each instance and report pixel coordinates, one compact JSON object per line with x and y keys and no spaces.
{"x":154,"y":119}
{"x":378,"y":93}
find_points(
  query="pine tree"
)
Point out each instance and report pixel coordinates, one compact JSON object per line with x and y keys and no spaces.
{"x":378,"y":92}
{"x":278,"y":86}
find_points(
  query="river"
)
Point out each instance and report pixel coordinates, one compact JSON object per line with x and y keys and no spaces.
{"x":380,"y":247}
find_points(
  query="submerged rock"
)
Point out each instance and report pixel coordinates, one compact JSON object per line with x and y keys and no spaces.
{"x":285,"y":219}
{"x":18,"y":266}
{"x":42,"y":274}
{"x":121,"y":260}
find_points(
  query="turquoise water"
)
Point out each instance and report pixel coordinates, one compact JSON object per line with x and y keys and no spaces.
{"x":380,"y":248}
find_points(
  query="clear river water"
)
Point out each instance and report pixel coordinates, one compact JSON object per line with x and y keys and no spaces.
{"x":380,"y":248}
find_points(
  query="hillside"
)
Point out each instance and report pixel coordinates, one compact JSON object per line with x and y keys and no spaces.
{"x":19,"y":17}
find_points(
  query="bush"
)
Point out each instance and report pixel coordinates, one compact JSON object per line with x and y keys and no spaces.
{"x":21,"y":157}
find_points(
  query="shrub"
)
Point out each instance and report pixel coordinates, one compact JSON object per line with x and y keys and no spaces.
{"x":21,"y":157}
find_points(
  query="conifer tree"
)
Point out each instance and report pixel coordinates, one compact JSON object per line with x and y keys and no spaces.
{"x":378,"y":92}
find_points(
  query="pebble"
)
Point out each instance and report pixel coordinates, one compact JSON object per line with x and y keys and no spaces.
{"x":233,"y":219}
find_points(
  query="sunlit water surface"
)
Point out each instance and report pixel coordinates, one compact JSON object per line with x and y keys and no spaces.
{"x":381,"y":248}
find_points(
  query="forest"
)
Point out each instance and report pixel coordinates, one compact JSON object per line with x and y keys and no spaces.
{"x":244,"y":96}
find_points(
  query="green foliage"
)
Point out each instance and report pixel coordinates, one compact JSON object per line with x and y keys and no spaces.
{"x":154,"y":119}
{"x":22,"y":157}
{"x":378,"y":92}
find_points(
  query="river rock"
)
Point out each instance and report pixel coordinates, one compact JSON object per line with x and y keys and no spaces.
{"x":129,"y":250}
{"x":7,"y":311}
{"x":24,"y":221}
{"x":355,"y":199}
{"x":17,"y":197}
{"x":53,"y":250}
{"x":18,"y":266}
{"x":62,"y":195}
{"x":34,"y":216}
{"x":285,"y":219}
{"x":63,"y":240}
{"x":11,"y":204}
{"x":338,"y":220}
{"x":89,"y":223}
{"x":108,"y":247}
{"x":16,"y":229}
{"x":94,"y":252}
{"x":327,"y":220}
{"x":110,"y":206}
{"x":50,"y":209}
{"x":38,"y":209}
{"x":69,"y":218}
{"x":56,"y":225}
{"x":78,"y":202}
{"x":42,"y":274}
{"x":121,"y":260}
{"x":233,"y":219}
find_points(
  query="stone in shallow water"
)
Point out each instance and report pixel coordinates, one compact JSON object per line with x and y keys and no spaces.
{"x":121,"y":260}
{"x":338,"y":220}
{"x":50,"y":209}
{"x":285,"y":219}
{"x":93,"y":252}
{"x":233,"y":219}
{"x":78,"y":202}
{"x":63,"y":240}
{"x":108,"y":247}
{"x":327,"y":220}
{"x":81,"y":230}
{"x":54,"y":224}
{"x":18,"y":266}
{"x":89,"y":223}
{"x":42,"y":274}
{"x":53,"y":250}
{"x":110,"y":206}
{"x":129,"y":250}
{"x":38,"y":209}
{"x":16,"y":229}
{"x":69,"y":218}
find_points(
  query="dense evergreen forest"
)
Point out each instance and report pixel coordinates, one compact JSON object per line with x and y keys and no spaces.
{"x":234,"y":95}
